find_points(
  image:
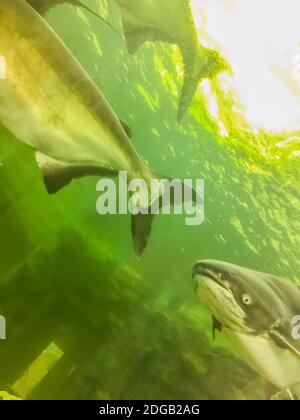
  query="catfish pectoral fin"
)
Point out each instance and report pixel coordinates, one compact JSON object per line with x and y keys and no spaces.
{"x":217,"y":326}
{"x":57,"y":174}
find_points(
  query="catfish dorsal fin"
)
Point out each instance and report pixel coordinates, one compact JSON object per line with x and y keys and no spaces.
{"x":58,"y":174}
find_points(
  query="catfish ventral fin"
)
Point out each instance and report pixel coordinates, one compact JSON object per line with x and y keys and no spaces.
{"x":58,"y":175}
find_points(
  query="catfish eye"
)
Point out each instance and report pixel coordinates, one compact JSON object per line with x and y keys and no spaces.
{"x":247,"y":300}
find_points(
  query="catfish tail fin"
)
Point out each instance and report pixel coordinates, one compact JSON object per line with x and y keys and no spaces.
{"x":141,"y":223}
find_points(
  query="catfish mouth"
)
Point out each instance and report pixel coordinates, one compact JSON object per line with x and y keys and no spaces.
{"x":202,"y":270}
{"x":215,"y":293}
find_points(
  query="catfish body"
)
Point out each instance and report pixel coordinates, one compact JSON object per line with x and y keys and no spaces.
{"x":50,"y":103}
{"x":255,"y":311}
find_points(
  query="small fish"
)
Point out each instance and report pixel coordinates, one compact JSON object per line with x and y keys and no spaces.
{"x":43,"y":6}
{"x":50,"y":103}
{"x":172,"y":21}
{"x":256,"y":311}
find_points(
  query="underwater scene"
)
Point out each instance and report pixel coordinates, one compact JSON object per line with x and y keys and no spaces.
{"x":101,"y":304}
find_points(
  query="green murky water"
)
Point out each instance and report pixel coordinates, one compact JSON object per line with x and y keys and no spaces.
{"x":120,"y":327}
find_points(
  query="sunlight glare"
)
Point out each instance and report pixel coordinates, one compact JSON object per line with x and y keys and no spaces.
{"x":260,"y":38}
